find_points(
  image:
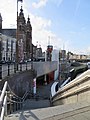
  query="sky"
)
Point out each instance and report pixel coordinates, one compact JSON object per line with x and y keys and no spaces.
{"x":65,"y":24}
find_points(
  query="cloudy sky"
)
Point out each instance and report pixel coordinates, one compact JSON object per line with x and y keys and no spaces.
{"x":62,"y":23}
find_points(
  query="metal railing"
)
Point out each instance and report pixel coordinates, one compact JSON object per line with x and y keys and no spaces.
{"x":3,"y":102}
{"x":8,"y":69}
{"x":8,"y":98}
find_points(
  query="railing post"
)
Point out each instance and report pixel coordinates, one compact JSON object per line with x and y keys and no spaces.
{"x":17,"y":104}
{"x":8,"y":69}
{"x":14,"y":67}
{"x":20,"y":66}
{"x":17,"y":66}
{"x":0,"y":71}
{"x":14,"y":104}
{"x":10,"y":104}
{"x":21,"y":104}
{"x":26,"y":65}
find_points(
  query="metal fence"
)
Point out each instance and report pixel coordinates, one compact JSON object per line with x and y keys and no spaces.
{"x":8,"y":69}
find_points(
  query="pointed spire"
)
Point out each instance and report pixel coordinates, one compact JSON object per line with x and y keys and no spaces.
{"x":28,"y":18}
{"x":21,"y":12}
{"x":28,"y":23}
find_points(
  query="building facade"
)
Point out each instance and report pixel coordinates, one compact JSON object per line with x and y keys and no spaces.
{"x":20,"y":39}
{"x":49,"y":52}
{"x":23,"y":34}
{"x":24,"y":37}
{"x":7,"y":48}
{"x":62,"y":55}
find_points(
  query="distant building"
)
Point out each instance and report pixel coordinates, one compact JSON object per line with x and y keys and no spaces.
{"x":49,"y":52}
{"x":24,"y":36}
{"x":34,"y":51}
{"x":38,"y":52}
{"x":55,"y":57}
{"x":72,"y":56}
{"x":7,"y":48}
{"x":62,"y":55}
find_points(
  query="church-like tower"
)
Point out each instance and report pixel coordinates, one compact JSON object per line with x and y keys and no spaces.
{"x":21,"y":36}
{"x":28,"y":39}
{"x":24,"y":38}
{"x":0,"y":23}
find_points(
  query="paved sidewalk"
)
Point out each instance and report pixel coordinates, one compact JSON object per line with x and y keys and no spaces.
{"x":77,"y":111}
{"x":41,"y":99}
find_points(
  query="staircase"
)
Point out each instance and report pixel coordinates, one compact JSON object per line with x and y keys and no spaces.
{"x":40,"y":100}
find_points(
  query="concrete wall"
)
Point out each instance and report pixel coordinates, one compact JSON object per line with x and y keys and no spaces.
{"x":43,"y":68}
{"x":55,"y":57}
{"x":20,"y":82}
{"x":77,"y":90}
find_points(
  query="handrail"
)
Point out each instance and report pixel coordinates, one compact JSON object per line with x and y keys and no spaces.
{"x":4,"y":108}
{"x":3,"y":101}
{"x":3,"y":93}
{"x":4,"y":98}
